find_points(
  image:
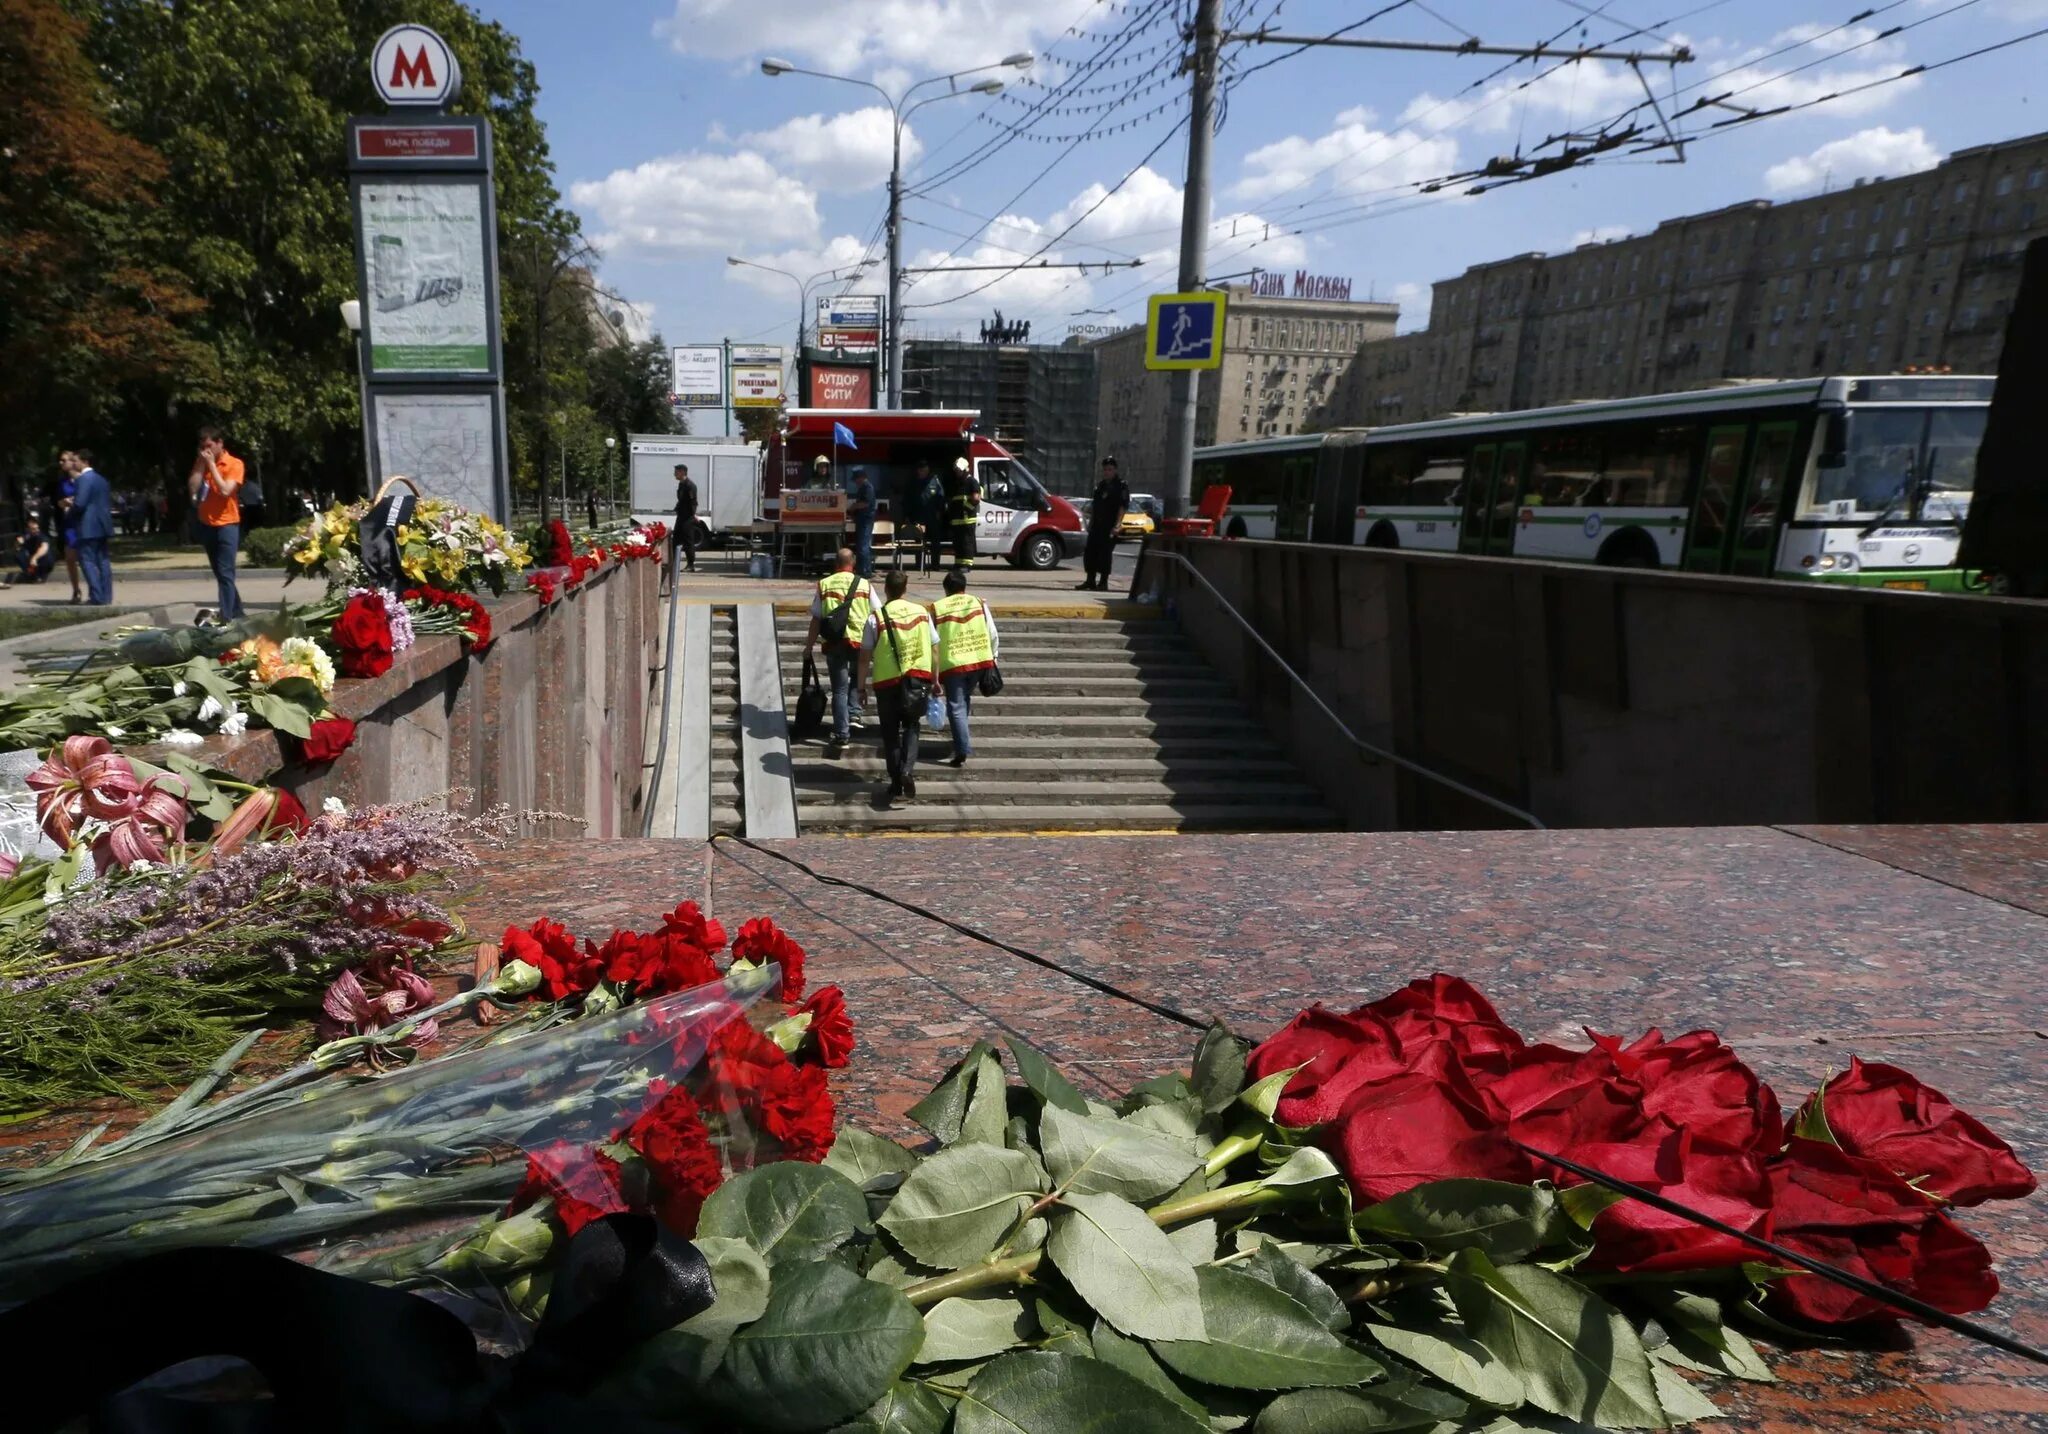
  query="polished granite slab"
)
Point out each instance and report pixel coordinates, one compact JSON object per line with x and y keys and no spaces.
{"x":1920,"y":946}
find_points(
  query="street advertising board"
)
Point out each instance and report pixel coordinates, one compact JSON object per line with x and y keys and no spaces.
{"x":756,"y":376}
{"x":841,"y":386}
{"x":448,"y":441}
{"x":814,"y":508}
{"x":697,"y":379}
{"x":851,"y":323}
{"x":426,"y":257}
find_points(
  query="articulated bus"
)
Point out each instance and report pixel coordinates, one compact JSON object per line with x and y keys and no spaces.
{"x":1860,"y":480}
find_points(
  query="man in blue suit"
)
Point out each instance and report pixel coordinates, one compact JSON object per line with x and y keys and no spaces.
{"x":95,"y":511}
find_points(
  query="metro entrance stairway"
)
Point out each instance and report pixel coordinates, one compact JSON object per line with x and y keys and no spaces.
{"x":1103,"y":725}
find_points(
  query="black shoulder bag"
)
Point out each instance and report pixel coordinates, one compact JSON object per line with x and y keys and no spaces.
{"x":917,"y":691}
{"x":810,"y":703}
{"x":832,"y":626}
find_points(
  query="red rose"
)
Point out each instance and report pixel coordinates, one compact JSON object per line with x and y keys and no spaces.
{"x":830,"y":1033}
{"x":1338,"y":1054}
{"x":683,"y":1167}
{"x":1444,"y":1008}
{"x":1854,"y":1213}
{"x":583,"y":1183}
{"x":761,"y":941}
{"x":560,"y":547}
{"x":564,"y":970}
{"x":363,"y":633}
{"x":330,"y":737}
{"x":1702,"y":1086}
{"x":1728,"y":1184}
{"x":1555,"y":1098}
{"x":1426,"y":1124}
{"x":287,"y":814}
{"x":1886,"y":1115}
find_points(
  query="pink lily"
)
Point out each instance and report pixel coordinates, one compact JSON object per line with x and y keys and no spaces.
{"x":349,"y":1009}
{"x":147,"y":832}
{"x":84,"y":778}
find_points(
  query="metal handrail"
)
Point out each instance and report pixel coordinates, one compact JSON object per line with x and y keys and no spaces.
{"x":1338,"y":722}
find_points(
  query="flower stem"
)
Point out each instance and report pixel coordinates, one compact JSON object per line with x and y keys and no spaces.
{"x":1233,"y":1147}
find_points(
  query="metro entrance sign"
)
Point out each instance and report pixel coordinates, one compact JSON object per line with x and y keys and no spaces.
{"x":1184,"y":331}
{"x":411,"y":65}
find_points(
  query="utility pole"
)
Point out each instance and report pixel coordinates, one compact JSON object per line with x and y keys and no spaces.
{"x":1194,"y":234}
{"x":894,"y":380}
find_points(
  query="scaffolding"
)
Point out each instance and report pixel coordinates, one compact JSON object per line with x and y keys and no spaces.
{"x":1037,"y":400}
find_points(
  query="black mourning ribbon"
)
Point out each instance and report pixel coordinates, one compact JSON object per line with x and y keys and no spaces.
{"x":377,"y":535}
{"x":342,"y":1355}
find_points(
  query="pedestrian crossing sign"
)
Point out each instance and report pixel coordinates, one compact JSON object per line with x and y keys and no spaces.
{"x":1184,"y":331}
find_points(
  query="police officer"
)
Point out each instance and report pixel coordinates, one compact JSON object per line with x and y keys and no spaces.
{"x":967,"y":645}
{"x":899,"y":646}
{"x":1105,"y":517}
{"x":929,"y":503}
{"x":963,"y":511}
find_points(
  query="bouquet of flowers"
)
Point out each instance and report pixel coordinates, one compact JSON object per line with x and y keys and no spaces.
{"x":441,"y":544}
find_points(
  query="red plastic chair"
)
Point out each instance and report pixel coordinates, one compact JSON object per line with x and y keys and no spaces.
{"x":1208,"y":516}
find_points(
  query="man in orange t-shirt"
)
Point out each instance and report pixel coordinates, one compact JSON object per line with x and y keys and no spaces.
{"x":215,"y":479}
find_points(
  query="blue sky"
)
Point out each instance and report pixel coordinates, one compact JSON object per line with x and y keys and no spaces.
{"x":678,"y":152}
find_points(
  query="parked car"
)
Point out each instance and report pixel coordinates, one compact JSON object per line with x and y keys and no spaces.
{"x":1142,"y":518}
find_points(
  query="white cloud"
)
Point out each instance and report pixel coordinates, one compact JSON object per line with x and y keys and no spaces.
{"x":1601,"y":235}
{"x":1414,"y":300}
{"x":687,"y":202}
{"x":1863,"y":155}
{"x":845,"y":152}
{"x":1355,"y":157}
{"x":856,"y":36}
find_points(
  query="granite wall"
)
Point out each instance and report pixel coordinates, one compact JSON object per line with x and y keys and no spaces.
{"x":1601,"y":697}
{"x":551,"y":718}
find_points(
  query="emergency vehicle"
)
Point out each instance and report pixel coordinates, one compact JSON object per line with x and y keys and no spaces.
{"x":1020,"y":520}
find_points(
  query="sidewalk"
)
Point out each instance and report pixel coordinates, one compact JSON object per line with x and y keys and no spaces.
{"x":722,"y":578}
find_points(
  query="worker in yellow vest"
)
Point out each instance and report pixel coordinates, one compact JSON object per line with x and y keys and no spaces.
{"x":839,"y":613}
{"x":898,"y":642}
{"x":967,"y":647}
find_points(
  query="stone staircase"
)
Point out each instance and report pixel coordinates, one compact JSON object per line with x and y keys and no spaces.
{"x":1103,"y":725}
{"x":727,"y":803}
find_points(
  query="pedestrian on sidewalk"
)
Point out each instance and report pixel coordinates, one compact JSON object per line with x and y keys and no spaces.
{"x":64,"y":524}
{"x":968,"y":645}
{"x":840,"y":612}
{"x":94,"y":514}
{"x":686,"y":517}
{"x":931,"y":514}
{"x":898,"y":641}
{"x":860,"y":512}
{"x":33,"y":555}
{"x":214,"y":483}
{"x":1105,"y":519}
{"x":963,"y":511}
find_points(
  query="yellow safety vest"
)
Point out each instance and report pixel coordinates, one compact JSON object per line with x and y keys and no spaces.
{"x":833,"y":587}
{"x":913,"y":628}
{"x":965,"y":643}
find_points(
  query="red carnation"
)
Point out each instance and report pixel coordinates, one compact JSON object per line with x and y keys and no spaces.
{"x":672,"y":1139}
{"x":761,"y":941}
{"x":1886,"y":1115}
{"x":560,"y":547}
{"x":764,"y":1091}
{"x":330,"y":737}
{"x":546,"y":945}
{"x":476,"y":622}
{"x":1702,"y":1086}
{"x":583,"y":1183}
{"x":1337,"y":1054}
{"x":1728,"y":1184}
{"x":544,"y":584}
{"x":1856,"y":1214}
{"x":363,"y":633}
{"x":830,"y":1033}
{"x":655,"y":964}
{"x":689,"y":922}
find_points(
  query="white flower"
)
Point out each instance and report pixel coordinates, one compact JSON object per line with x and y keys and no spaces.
{"x":112,"y":731}
{"x":177,"y":689}
{"x":179,"y":737}
{"x":303,"y":651}
{"x":210,"y":709}
{"x":236,"y":724}
{"x":492,"y":557}
{"x":141,"y":867}
{"x":333,"y":807}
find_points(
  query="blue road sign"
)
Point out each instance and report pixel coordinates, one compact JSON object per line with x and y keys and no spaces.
{"x":1184,"y":331}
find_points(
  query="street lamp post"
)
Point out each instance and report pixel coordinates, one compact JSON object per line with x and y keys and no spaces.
{"x":901,"y":109}
{"x":611,"y":487}
{"x":803,"y":290}
{"x":352,"y":319}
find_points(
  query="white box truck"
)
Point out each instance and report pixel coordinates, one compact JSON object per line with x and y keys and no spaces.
{"x":727,"y":472}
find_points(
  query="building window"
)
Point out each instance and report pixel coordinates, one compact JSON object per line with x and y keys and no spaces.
{"x":1785,"y":284}
{"x":1912,"y":202}
{"x":2004,"y":185}
{"x":1892,"y":269}
{"x":2027,"y":214}
{"x":1877,"y":213}
{"x":2034,"y":178}
{"x":1927,"y":320}
{"x":1821,"y":225}
{"x":1814,"y":257}
{"x":1962,"y":192}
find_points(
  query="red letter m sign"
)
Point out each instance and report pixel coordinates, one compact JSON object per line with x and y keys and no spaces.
{"x":417,"y":70}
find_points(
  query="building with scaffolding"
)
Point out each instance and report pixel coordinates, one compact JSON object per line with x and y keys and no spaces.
{"x":1039,"y":399}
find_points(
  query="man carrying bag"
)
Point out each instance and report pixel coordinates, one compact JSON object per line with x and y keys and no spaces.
{"x":967,"y":656}
{"x":899,"y":639}
{"x":840,"y":611}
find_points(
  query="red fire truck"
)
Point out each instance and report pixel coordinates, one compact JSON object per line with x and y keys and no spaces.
{"x":1020,"y":521}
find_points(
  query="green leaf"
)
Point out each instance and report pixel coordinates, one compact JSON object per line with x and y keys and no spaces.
{"x":1269,"y":1265}
{"x":1126,"y":1268}
{"x":1700,"y":1333}
{"x":1089,"y":1155}
{"x":1337,"y":1411}
{"x":905,"y":1409}
{"x":1062,"y":1394}
{"x":950,"y":1111}
{"x":1219,"y":1069}
{"x":1506,"y":1221}
{"x":1682,"y":1403}
{"x":1263,"y":1096}
{"x":973,"y":1329}
{"x":1196,"y":1241}
{"x":1159,"y":1090}
{"x":1575,"y":1354}
{"x":1584,"y":1204}
{"x":1044,"y":1078}
{"x":208,"y":677}
{"x":868,"y":1160}
{"x":1305,"y":1166}
{"x":957,"y":1204}
{"x":1259,"y":1338}
{"x":828,"y":1347}
{"x":739,"y":1275}
{"x":889,"y":1266}
{"x":1456,"y":1358}
{"x":1810,"y":1122}
{"x":1177,"y":1120}
{"x":1133,"y":1358}
{"x":275,"y":712}
{"x":787,"y":1210}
